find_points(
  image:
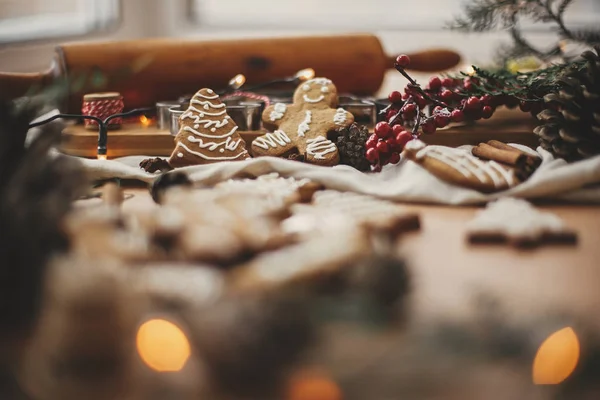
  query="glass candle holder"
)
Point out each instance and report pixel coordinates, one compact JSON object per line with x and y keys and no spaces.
{"x":163,"y":114}
{"x":364,"y":110}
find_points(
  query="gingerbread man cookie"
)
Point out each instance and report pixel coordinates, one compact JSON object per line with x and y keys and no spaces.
{"x":303,"y":125}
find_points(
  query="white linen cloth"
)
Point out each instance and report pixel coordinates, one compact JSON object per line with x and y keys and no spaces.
{"x":555,"y":179}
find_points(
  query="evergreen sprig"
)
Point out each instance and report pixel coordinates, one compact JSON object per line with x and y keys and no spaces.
{"x":488,"y":15}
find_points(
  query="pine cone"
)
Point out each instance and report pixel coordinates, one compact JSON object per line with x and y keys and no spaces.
{"x":350,"y":142}
{"x":571,"y":120}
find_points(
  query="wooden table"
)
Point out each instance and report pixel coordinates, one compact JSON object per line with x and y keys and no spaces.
{"x":448,"y":271}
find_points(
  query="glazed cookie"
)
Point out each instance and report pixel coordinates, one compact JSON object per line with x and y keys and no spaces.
{"x":459,"y":167}
{"x":207,"y":133}
{"x":303,"y":262}
{"x":366,"y":211}
{"x":288,"y":190}
{"x":517,"y":222}
{"x":303,"y":125}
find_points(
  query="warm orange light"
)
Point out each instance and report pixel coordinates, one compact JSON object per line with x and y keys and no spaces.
{"x":556,"y":358}
{"x":163,"y":346}
{"x":470,"y":70}
{"x":305,"y":74}
{"x":101,"y":157}
{"x":313,"y":386}
{"x":145,"y":121}
{"x":237,"y":81}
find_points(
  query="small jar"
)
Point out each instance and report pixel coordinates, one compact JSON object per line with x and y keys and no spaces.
{"x":102,"y":105}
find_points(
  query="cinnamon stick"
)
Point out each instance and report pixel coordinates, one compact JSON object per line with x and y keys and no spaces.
{"x":503,"y":146}
{"x":488,"y":152}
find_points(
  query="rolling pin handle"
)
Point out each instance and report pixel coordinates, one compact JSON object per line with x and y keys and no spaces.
{"x":432,"y":60}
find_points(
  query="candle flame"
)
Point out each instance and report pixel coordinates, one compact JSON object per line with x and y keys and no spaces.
{"x":101,"y":157}
{"x":163,"y":346}
{"x":556,"y":358}
{"x":237,"y":81}
{"x":145,"y":121}
{"x":305,"y":74}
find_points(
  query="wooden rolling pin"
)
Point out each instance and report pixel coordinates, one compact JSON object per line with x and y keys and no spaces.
{"x":148,"y":71}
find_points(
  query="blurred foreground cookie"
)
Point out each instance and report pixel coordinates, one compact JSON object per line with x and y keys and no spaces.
{"x":304,"y":262}
{"x":518,"y":223}
{"x":279,"y":189}
{"x":461,"y":168}
{"x":368,"y":212}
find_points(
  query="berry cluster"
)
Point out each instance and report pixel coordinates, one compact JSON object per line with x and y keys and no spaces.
{"x":443,"y":101}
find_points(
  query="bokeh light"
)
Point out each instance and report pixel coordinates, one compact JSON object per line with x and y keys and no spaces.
{"x":163,"y":346}
{"x":556,"y":358}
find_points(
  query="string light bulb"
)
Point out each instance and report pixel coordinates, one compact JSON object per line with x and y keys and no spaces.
{"x":556,"y":358}
{"x":145,"y":121}
{"x":237,"y":82}
{"x":305,"y":74}
{"x":101,"y":157}
{"x":163,"y":346}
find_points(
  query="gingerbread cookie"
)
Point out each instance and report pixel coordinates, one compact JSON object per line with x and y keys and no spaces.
{"x":517,"y":222}
{"x":366,"y":211}
{"x":303,"y":125}
{"x":459,"y":167}
{"x":303,"y":262}
{"x":288,"y":190}
{"x":206,"y":135}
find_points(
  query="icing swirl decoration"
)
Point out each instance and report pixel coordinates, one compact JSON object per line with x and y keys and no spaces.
{"x":319,"y":146}
{"x":275,"y":139}
{"x":278,"y":112}
{"x":339,"y":118}
{"x":305,"y":125}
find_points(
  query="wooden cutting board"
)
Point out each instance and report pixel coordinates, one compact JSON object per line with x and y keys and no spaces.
{"x":509,"y":126}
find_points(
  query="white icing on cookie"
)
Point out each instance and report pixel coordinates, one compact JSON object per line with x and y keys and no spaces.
{"x":275,"y":139}
{"x":198,"y":133}
{"x":319,"y":81}
{"x":207,"y":104}
{"x":317,"y":100}
{"x":306,"y":87}
{"x":180,"y":155}
{"x":228,"y":144}
{"x":208,"y":122}
{"x":210,"y":91}
{"x":213,"y":129}
{"x":208,"y":97}
{"x":340,"y":116}
{"x":319,"y":146}
{"x":468,"y":165}
{"x":279,"y":110}
{"x":324,"y":89}
{"x":196,"y":126}
{"x":516,"y":218}
{"x":305,"y":125}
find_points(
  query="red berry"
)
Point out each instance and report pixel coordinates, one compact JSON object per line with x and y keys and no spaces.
{"x":383,"y":129}
{"x":397,"y":129}
{"x":405,"y":96}
{"x":487,"y":112}
{"x":446,"y":95}
{"x":372,"y":155}
{"x":525,"y":106}
{"x":457,"y":116}
{"x":409,"y":111}
{"x":435,"y":83}
{"x":468,"y":85}
{"x":371,"y":143}
{"x":486,"y":100}
{"x":428,"y":127}
{"x":420,"y":100}
{"x":394,"y":158}
{"x":395,"y":97}
{"x":403,"y":60}
{"x":391,"y":113}
{"x":376,"y":168}
{"x":448,"y":82}
{"x":437,"y":109}
{"x":382,"y":147}
{"x":473,"y":103}
{"x":441,"y":121}
{"x":391,"y":141}
{"x":402,"y":138}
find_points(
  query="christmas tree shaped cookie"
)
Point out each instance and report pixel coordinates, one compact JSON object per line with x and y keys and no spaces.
{"x":207,"y":134}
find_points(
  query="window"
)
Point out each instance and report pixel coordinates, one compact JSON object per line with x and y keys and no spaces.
{"x":25,"y":20}
{"x":359,"y":15}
